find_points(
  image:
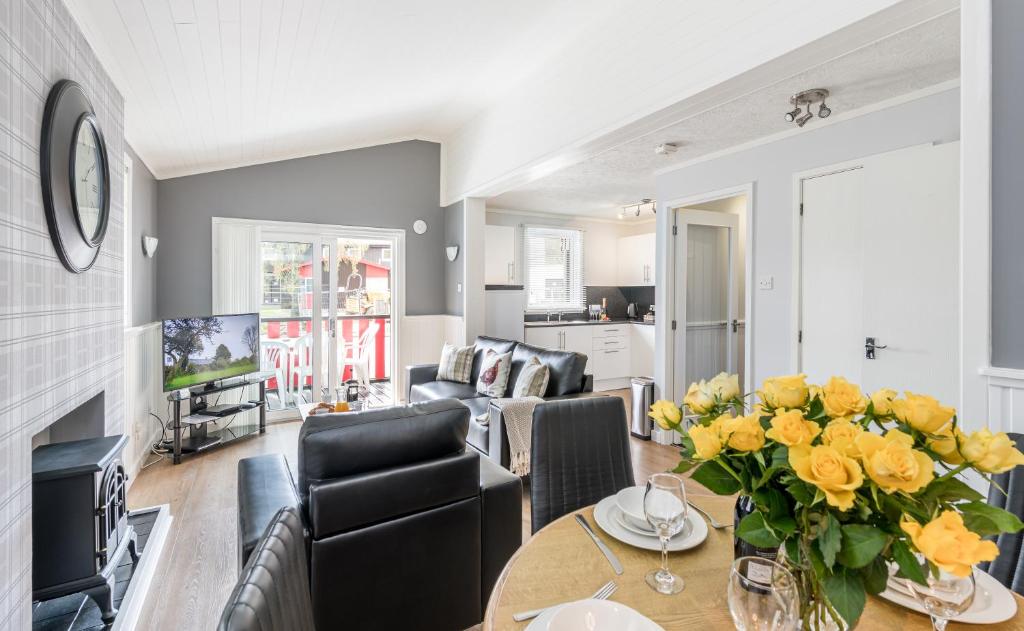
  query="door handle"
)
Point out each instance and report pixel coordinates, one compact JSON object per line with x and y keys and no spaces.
{"x":870,"y":347}
{"x":735,"y":325}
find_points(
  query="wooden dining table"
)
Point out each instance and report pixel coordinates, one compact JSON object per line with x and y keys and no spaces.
{"x":560,"y":563}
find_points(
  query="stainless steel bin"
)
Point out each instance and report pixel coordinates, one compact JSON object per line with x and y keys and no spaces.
{"x":642,"y":389}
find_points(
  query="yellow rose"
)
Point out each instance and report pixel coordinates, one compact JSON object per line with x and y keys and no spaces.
{"x":707,"y":440}
{"x":666,"y":414}
{"x":725,"y":386}
{"x":882,"y":399}
{"x":922,"y":412}
{"x":790,"y":428}
{"x":785,"y":392}
{"x":947,"y":543}
{"x":991,"y":453}
{"x":946,"y":445}
{"x":842,"y":398}
{"x":699,"y":398}
{"x":842,"y":433}
{"x":838,"y":476}
{"x":893,"y":463}
{"x":743,"y":433}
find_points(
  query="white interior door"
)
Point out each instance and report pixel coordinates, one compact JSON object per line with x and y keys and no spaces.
{"x":878,"y":260}
{"x":707,"y":303}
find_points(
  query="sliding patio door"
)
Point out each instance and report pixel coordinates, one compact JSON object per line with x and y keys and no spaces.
{"x":325,"y":309}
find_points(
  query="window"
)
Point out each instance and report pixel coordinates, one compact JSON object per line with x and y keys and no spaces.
{"x":554,"y":269}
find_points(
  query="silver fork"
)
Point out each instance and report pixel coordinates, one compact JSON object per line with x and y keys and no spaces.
{"x":602,"y":594}
{"x":714,"y":522}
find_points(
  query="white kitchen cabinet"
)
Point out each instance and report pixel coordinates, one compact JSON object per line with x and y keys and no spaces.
{"x":577,"y":339}
{"x":642,"y":350}
{"x":636,"y":260}
{"x":500,"y":255}
{"x":545,"y":337}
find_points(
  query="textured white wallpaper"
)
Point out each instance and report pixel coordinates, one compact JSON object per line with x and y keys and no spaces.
{"x":61,"y":337}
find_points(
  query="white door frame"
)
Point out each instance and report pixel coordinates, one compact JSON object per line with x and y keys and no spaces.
{"x":666,"y":283}
{"x":321,"y":232}
{"x":796,"y":310}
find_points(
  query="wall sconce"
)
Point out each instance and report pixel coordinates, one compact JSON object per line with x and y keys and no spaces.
{"x":149,"y":245}
{"x":452,"y":252}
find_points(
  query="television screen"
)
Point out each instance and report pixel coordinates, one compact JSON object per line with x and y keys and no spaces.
{"x":201,"y":350}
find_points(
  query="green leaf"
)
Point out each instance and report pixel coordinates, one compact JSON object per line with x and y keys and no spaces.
{"x":987,"y":520}
{"x":717,"y":480}
{"x":801,"y":492}
{"x":909,"y":565}
{"x":816,"y":409}
{"x":780,"y":457}
{"x":875,"y":576}
{"x":755,"y":531}
{"x":951,"y":490}
{"x":780,"y":514}
{"x":793,"y":550}
{"x":845,"y":591}
{"x":684,"y":466}
{"x":861,"y":545}
{"x":830,"y":539}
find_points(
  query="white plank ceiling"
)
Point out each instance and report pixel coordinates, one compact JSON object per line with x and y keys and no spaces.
{"x":214,"y":84}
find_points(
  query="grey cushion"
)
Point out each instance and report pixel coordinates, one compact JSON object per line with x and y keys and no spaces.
{"x":566,"y":368}
{"x":442,"y":390}
{"x":483,"y":343}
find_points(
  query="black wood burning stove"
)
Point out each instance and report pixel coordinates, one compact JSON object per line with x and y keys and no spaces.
{"x":80,"y":527}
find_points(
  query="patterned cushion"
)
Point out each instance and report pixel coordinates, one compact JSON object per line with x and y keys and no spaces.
{"x":455,"y":364}
{"x":494,"y":373}
{"x":532,"y":381}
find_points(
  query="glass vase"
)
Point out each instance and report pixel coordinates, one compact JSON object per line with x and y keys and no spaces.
{"x":816,"y":612}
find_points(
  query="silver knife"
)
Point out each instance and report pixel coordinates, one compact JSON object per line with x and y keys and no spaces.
{"x":608,"y":554}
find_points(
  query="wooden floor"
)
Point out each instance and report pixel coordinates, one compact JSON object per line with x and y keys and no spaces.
{"x":200,"y":563}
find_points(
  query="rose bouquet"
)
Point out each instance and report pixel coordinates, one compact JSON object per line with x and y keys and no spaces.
{"x":845,"y":484}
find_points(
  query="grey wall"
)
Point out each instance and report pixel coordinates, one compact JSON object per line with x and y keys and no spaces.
{"x":61,"y":337}
{"x":771,"y":168}
{"x":1007,"y":184}
{"x":387,"y":186}
{"x":144,"y":218}
{"x":454,"y":273}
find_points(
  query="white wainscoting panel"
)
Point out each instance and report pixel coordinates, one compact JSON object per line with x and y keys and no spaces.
{"x":421,"y":341}
{"x":143,"y":393}
{"x":1005,"y":401}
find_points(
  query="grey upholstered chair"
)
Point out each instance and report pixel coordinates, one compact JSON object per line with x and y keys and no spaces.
{"x":579,"y":454}
{"x":272,"y":593}
{"x":1008,"y":568}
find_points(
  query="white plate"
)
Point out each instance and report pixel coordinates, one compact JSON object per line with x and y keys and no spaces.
{"x":592,"y":615}
{"x":605,"y":516}
{"x":992,"y":601}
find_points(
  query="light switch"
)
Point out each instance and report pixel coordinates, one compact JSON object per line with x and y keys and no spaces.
{"x":766,"y":283}
{"x":458,"y":288}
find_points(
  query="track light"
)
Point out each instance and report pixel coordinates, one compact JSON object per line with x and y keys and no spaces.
{"x":807,"y":98}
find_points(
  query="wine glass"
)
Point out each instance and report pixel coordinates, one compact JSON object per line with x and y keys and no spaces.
{"x":665,"y":510}
{"x":944,"y":597}
{"x":763,"y":596}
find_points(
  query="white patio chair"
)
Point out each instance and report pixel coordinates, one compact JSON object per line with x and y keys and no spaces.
{"x":301,"y":367}
{"x":274,"y":358}
{"x":362,"y":352}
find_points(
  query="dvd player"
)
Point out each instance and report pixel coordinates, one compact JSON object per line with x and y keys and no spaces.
{"x":226,"y":409}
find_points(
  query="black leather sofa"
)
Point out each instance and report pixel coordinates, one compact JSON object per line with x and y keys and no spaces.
{"x":567,"y":381}
{"x":406,"y":528}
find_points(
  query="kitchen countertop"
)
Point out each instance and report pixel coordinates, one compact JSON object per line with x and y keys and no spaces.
{"x":545,"y":323}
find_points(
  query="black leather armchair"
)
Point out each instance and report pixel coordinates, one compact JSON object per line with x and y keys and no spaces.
{"x":1008,"y":568}
{"x":406,"y":527}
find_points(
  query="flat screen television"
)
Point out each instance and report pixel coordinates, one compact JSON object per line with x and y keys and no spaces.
{"x":203,"y":350}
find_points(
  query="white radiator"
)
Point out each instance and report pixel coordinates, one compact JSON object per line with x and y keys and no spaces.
{"x":143,"y":393}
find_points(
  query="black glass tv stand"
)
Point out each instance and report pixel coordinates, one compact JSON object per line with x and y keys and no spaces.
{"x":199,"y":430}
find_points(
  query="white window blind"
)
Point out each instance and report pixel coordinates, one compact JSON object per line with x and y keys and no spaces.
{"x":554,"y":269}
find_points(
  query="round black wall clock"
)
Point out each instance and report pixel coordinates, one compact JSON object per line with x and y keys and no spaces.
{"x":75,"y":175}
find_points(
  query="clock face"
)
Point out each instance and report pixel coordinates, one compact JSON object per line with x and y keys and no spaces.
{"x":87,"y":171}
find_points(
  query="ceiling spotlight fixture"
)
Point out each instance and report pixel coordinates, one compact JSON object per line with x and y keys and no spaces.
{"x":807,"y":98}
{"x":666,"y":148}
{"x":635,"y":209}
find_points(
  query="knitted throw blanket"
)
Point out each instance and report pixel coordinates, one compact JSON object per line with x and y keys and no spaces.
{"x":518,"y":415}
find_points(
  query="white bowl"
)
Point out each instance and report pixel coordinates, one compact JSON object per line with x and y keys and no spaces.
{"x":630,"y":501}
{"x":594,"y":615}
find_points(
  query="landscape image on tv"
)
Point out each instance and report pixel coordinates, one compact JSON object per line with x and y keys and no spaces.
{"x":200,"y":350}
